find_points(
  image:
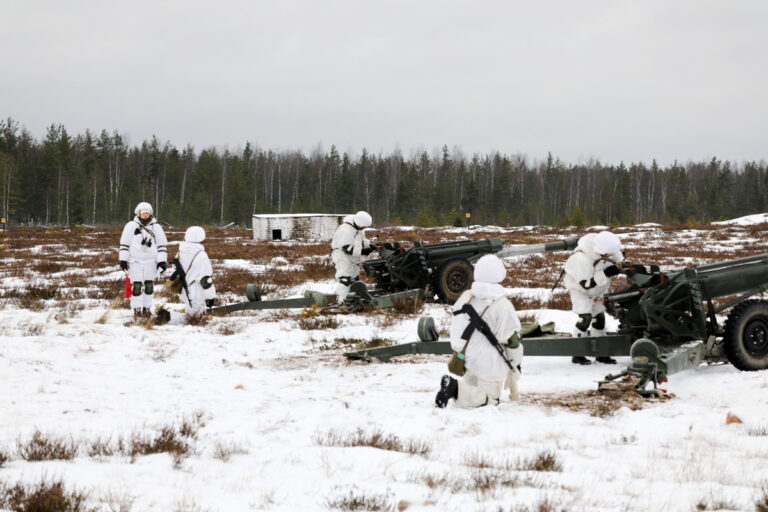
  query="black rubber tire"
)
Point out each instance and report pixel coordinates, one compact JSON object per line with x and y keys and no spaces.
{"x":251,"y":292}
{"x":452,"y":278}
{"x":746,"y":336}
{"x":426,"y":329}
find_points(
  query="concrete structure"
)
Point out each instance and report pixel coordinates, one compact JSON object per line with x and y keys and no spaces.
{"x":296,"y":226}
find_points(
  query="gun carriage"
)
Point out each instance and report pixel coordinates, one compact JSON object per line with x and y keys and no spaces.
{"x":667,"y":323}
{"x":439,"y":272}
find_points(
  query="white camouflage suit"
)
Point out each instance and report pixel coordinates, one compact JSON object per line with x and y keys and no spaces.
{"x":487,"y":372}
{"x":585,"y":279}
{"x":143,"y":247}
{"x":348,"y":248}
{"x":199,"y":275}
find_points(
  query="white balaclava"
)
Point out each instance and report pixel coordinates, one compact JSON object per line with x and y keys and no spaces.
{"x":194,"y":234}
{"x":490,"y":269}
{"x":363,"y":219}
{"x":607,"y":243}
{"x":489,"y":272}
{"x":143,"y":207}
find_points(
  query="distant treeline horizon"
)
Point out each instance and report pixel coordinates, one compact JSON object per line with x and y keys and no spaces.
{"x":90,"y":178}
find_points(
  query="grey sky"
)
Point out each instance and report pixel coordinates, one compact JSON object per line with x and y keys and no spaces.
{"x":614,"y":80}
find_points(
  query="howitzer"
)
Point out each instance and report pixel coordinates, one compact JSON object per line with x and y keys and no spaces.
{"x":421,"y":271}
{"x":671,"y":318}
{"x":444,"y":268}
{"x":667,"y":324}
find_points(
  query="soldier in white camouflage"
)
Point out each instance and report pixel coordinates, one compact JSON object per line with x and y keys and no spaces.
{"x":143,"y":255}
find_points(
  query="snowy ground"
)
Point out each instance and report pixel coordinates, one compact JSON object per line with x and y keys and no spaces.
{"x":271,"y":404}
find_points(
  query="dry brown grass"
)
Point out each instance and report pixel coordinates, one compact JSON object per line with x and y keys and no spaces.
{"x":317,"y":323}
{"x":318,"y":269}
{"x":761,"y":502}
{"x":357,"y":499}
{"x":351,"y":343}
{"x":43,"y":496}
{"x":374,"y":438}
{"x":596,"y":403}
{"x":47,"y":447}
{"x":39,"y":257}
{"x":223,"y":451}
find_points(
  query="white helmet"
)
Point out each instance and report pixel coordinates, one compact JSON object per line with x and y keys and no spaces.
{"x":490,"y":269}
{"x":607,"y":243}
{"x":143,"y":207}
{"x":194,"y":234}
{"x":363,"y":219}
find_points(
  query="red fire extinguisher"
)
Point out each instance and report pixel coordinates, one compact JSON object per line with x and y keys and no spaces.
{"x":127,"y":293}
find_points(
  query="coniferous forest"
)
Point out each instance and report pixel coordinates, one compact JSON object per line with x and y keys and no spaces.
{"x":97,"y":178}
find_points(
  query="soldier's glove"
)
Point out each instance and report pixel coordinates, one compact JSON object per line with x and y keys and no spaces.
{"x":611,"y":271}
{"x":635,"y":269}
{"x":209,"y":303}
{"x":514,"y":340}
{"x":124,"y":265}
{"x":162,"y":266}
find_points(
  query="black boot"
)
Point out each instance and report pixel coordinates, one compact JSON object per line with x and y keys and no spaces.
{"x":137,"y":313}
{"x":146,"y":313}
{"x":449,"y":388}
{"x":605,"y":360}
{"x":163,"y":316}
{"x":580,"y":360}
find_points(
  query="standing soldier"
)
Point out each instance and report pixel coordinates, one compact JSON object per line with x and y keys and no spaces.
{"x":587,"y":277}
{"x":348,"y":247}
{"x":143,"y":253}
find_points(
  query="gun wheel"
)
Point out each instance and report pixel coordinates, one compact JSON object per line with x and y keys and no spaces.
{"x":746,"y":335}
{"x":252,"y":292}
{"x":452,"y":278}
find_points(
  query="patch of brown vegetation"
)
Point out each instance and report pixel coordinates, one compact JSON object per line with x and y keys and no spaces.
{"x":92,"y":251}
{"x":596,"y":403}
{"x":42,"y":497}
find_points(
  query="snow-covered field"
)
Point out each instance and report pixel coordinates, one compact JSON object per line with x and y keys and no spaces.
{"x":260,"y":411}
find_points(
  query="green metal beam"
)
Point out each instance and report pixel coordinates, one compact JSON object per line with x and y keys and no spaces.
{"x":610,"y":345}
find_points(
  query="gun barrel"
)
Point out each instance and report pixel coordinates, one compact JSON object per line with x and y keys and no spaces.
{"x":734,"y":276}
{"x":523,"y":250}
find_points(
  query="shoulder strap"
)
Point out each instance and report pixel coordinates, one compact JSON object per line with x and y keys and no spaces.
{"x":192,"y":261}
{"x":476,"y":322}
{"x":142,"y":227}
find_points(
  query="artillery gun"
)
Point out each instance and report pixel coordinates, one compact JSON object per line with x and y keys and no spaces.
{"x":445,"y":268}
{"x":672,"y":321}
{"x":667,"y":324}
{"x":440,"y":272}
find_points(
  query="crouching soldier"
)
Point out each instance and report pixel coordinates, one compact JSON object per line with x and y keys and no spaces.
{"x":193,"y":268}
{"x":143,"y":253}
{"x":348,"y":248}
{"x":587,"y":277}
{"x":486,"y":329}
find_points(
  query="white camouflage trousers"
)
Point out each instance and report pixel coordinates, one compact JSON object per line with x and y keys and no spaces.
{"x":477,"y":392}
{"x":140,"y":271}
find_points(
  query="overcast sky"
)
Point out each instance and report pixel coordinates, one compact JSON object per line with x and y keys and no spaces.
{"x":612,"y":80}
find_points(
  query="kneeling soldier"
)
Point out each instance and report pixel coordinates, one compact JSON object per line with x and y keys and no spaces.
{"x":486,"y":329}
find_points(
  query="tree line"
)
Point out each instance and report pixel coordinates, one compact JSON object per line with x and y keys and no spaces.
{"x":92,"y":178}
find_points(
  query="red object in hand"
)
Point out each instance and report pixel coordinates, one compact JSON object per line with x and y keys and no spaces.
{"x":127,"y":294}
